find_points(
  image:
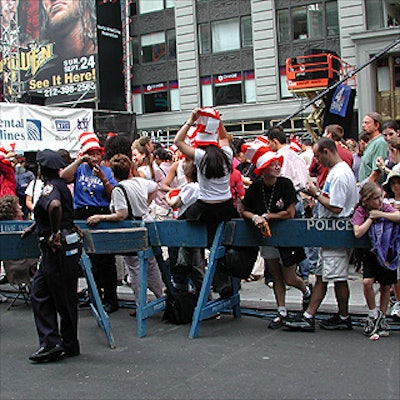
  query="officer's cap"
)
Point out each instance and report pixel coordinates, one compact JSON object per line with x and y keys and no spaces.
{"x":50,"y":159}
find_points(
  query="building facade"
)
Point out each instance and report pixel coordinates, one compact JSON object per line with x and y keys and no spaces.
{"x":231,"y":54}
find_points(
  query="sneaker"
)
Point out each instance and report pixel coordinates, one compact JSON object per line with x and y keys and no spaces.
{"x":3,"y":299}
{"x":269,"y":283}
{"x":372,"y":324}
{"x":383,"y":329}
{"x":306,"y":300}
{"x":301,"y":323}
{"x":277,"y":322}
{"x":396,"y":310}
{"x":336,"y":323}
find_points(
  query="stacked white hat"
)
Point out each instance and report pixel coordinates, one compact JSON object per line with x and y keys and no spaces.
{"x":207,"y":127}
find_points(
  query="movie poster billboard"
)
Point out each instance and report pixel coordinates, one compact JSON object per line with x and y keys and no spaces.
{"x":51,"y":48}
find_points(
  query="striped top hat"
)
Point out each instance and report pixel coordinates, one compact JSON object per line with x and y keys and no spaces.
{"x":89,"y":141}
{"x":260,"y":154}
{"x":249,"y":149}
{"x":207,"y":127}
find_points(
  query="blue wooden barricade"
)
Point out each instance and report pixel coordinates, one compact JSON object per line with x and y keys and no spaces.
{"x":116,"y":238}
{"x":289,"y":233}
{"x":122,"y":240}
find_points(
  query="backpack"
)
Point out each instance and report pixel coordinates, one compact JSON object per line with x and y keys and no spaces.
{"x":23,"y":180}
{"x":179,"y":308}
{"x":238,"y":261}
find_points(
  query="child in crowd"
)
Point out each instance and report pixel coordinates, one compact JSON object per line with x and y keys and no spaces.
{"x":374,"y":217}
{"x":392,"y":189}
{"x":188,"y":193}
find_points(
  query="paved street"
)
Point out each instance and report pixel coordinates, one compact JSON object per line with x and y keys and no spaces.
{"x":231,"y":358}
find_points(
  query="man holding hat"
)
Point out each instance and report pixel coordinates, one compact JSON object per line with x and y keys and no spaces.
{"x":55,"y":283}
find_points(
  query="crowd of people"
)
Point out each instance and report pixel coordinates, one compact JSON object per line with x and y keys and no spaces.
{"x":209,"y":176}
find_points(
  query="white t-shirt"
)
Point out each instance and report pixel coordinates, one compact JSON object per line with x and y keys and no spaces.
{"x":215,"y":188}
{"x":341,"y":187}
{"x":34,"y":194}
{"x":189,"y":194}
{"x":137,"y":190}
{"x":146,"y":169}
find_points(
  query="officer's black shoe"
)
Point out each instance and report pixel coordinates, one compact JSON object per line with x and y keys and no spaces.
{"x":72,"y":353}
{"x":71,"y":350}
{"x":46,"y":354}
{"x":110,"y":307}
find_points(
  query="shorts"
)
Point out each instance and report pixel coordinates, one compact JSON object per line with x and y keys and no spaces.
{"x":333,"y":264}
{"x":372,"y":269}
{"x":269,"y":252}
{"x":272,"y":253}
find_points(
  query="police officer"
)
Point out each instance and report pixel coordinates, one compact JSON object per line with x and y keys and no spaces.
{"x":54,"y":287}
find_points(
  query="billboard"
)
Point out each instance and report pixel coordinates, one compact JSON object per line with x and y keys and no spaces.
{"x":34,"y":128}
{"x":51,"y":47}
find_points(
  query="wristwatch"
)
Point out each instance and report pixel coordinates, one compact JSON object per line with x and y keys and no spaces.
{"x":317,"y":194}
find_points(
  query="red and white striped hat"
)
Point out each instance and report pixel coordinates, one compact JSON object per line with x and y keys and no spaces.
{"x":89,"y":141}
{"x":260,"y":154}
{"x":250,"y":148}
{"x":295,"y":145}
{"x":7,"y":153}
{"x":191,"y":134}
{"x":207,"y":127}
{"x":264,"y":157}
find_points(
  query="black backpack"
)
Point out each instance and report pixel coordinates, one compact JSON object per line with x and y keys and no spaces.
{"x":180,"y":307}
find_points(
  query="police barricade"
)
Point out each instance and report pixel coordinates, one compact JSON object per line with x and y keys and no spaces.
{"x":294,"y":232}
{"x":289,"y":233}
{"x":121,"y":240}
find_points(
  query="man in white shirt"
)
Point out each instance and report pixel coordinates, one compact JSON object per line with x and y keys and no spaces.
{"x":337,"y":199}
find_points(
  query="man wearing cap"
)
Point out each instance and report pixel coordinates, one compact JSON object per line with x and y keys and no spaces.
{"x":54,"y":285}
{"x":93,"y":184}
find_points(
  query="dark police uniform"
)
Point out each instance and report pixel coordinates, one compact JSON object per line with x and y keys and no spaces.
{"x":54,"y":287}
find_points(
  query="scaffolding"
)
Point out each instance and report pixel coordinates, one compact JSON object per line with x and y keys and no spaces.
{"x":308,"y":76}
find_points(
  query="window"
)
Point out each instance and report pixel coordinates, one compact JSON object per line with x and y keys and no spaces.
{"x":135,"y":50}
{"x":148,"y":6}
{"x":228,"y":94}
{"x":157,"y":97}
{"x":332,"y":18}
{"x":171,"y":43}
{"x":299,"y":18}
{"x":283,"y":26}
{"x":231,"y":88}
{"x":246,"y":31}
{"x":225,"y":35}
{"x":283,"y":85}
{"x":155,"y":102}
{"x":307,"y":22}
{"x":204,"y":38}
{"x":153,"y":47}
{"x":315,"y":26}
